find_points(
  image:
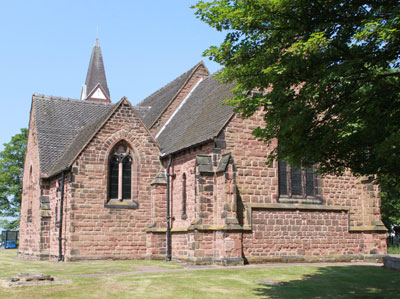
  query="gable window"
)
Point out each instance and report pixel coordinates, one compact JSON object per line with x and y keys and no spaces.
{"x":120,"y":173}
{"x":295,"y":182}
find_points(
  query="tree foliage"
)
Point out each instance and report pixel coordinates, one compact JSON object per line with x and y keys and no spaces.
{"x":327,"y":73}
{"x":11,"y":169}
{"x":390,"y":187}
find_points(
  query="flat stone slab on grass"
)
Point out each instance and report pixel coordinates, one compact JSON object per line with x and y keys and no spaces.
{"x":29,"y":279}
{"x":392,"y":261}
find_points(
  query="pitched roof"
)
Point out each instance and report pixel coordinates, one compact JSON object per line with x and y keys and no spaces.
{"x":150,"y":108}
{"x":76,"y":145}
{"x":84,"y":136}
{"x":59,"y":121}
{"x":96,"y":73}
{"x":199,"y":119}
{"x":64,"y":126}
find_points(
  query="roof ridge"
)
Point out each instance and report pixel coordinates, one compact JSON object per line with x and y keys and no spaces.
{"x":169,"y":83}
{"x":51,"y":97}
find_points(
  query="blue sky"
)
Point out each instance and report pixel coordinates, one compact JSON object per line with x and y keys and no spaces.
{"x":46,"y":45}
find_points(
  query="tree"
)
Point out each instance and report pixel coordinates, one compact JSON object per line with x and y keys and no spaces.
{"x":390,"y":187}
{"x":327,"y":75}
{"x":11,"y":169}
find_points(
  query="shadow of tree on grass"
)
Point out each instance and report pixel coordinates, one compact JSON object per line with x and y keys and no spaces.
{"x":336,"y":282}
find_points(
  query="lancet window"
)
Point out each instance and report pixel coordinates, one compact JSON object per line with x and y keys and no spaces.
{"x":120,"y":172}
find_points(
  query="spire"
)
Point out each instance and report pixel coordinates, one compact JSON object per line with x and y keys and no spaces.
{"x":95,"y":87}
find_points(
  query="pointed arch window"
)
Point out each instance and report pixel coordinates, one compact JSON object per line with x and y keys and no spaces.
{"x":121,"y":182}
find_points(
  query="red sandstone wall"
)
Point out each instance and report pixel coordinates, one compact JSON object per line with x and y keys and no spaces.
{"x":310,"y":233}
{"x":207,"y":246}
{"x":274,"y":232}
{"x":361,"y":196}
{"x":52,"y":190}
{"x":93,"y":231}
{"x":99,"y":232}
{"x":156,"y":242}
{"x":29,"y":235}
{"x":185,"y":163}
{"x":183,"y":244}
{"x":258,"y":183}
{"x":210,"y":200}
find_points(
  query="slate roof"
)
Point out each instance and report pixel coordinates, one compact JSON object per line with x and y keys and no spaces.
{"x":199,"y":119}
{"x":59,"y":122}
{"x":96,"y":73}
{"x":82,"y":137}
{"x":151,"y":107}
{"x":65,"y":125}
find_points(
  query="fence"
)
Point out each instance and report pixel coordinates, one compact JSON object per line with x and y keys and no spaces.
{"x":9,"y":239}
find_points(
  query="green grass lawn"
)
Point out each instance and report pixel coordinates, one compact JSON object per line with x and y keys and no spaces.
{"x":290,"y":281}
{"x":394,"y":249}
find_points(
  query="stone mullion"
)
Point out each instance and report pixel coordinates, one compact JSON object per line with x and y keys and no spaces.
{"x":120,"y":159}
{"x":120,"y":172}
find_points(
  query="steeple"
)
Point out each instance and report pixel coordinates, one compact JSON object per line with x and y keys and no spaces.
{"x":95,"y":87}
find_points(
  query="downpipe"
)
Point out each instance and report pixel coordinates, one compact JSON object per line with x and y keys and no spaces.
{"x":168,"y":257}
{"x":60,"y":256}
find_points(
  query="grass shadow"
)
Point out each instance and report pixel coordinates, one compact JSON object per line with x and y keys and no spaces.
{"x":336,"y":282}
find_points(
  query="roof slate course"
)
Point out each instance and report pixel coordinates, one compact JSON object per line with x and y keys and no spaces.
{"x":58,"y":122}
{"x":200,"y":118}
{"x":151,"y":107}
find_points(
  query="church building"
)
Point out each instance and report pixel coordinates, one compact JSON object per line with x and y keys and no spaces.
{"x":179,"y":176}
